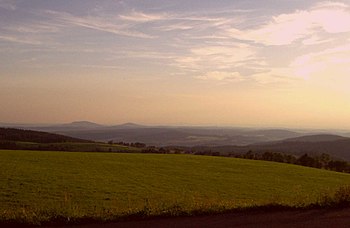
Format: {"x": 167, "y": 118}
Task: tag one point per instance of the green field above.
{"x": 76, "y": 147}
{"x": 37, "y": 186}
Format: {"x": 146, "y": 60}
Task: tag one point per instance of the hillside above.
{"x": 20, "y": 135}
{"x": 19, "y": 139}
{"x": 316, "y": 138}
{"x": 336, "y": 146}
{"x": 113, "y": 184}
{"x": 165, "y": 135}
{"x": 81, "y": 124}
{"x": 180, "y": 136}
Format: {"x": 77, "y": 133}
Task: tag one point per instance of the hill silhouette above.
{"x": 20, "y": 135}
{"x": 334, "y": 145}
{"x": 316, "y": 138}
{"x": 83, "y": 124}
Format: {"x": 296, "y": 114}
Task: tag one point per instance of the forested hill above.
{"x": 19, "y": 135}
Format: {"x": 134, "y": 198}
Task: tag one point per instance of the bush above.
{"x": 340, "y": 198}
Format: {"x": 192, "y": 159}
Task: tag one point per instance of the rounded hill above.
{"x": 152, "y": 184}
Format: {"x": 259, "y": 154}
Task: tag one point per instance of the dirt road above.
{"x": 336, "y": 218}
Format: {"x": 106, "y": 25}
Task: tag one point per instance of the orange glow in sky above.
{"x": 230, "y": 63}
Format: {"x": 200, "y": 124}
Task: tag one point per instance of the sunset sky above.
{"x": 185, "y": 62}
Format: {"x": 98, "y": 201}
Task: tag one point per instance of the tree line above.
{"x": 323, "y": 161}
{"x": 9, "y": 140}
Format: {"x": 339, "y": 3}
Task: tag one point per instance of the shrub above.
{"x": 340, "y": 198}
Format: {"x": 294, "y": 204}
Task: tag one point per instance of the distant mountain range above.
{"x": 334, "y": 145}
{"x": 200, "y": 139}
{"x": 73, "y": 126}
{"x": 168, "y": 136}
{"x": 317, "y": 138}
{"x": 221, "y": 139}
{"x": 81, "y": 124}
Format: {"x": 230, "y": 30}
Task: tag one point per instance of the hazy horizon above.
{"x": 184, "y": 125}
{"x": 186, "y": 63}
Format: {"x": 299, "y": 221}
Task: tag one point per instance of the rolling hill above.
{"x": 19, "y": 139}
{"x": 180, "y": 136}
{"x": 213, "y": 139}
{"x": 111, "y": 185}
{"x": 316, "y": 138}
{"x": 165, "y": 135}
{"x": 12, "y": 134}
{"x": 336, "y": 146}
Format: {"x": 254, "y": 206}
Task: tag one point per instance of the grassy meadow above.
{"x": 38, "y": 186}
{"x": 76, "y": 147}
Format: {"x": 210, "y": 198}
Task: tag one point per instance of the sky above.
{"x": 187, "y": 62}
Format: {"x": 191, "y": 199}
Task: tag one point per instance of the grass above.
{"x": 38, "y": 187}
{"x": 78, "y": 146}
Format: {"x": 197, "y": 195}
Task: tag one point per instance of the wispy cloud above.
{"x": 276, "y": 76}
{"x": 16, "y": 39}
{"x": 285, "y": 29}
{"x": 141, "y": 17}
{"x": 213, "y": 45}
{"x": 336, "y": 58}
{"x": 98, "y": 23}
{"x": 233, "y": 49}
{"x": 207, "y": 23}
{"x": 222, "y": 76}
{"x": 147, "y": 54}
{"x": 34, "y": 28}
{"x": 314, "y": 40}
{"x": 216, "y": 57}
{"x": 96, "y": 66}
{"x": 220, "y": 62}
{"x": 174, "y": 27}
{"x": 8, "y": 4}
